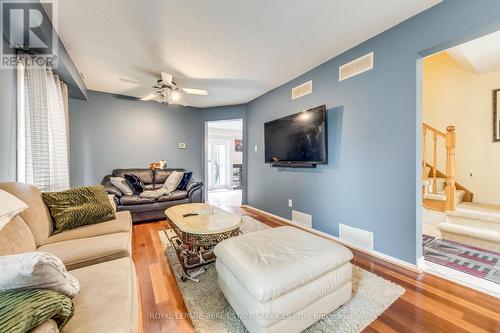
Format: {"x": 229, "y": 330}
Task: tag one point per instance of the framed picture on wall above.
{"x": 238, "y": 145}
{"x": 496, "y": 115}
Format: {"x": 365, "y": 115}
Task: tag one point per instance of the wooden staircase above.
{"x": 440, "y": 191}
{"x": 465, "y": 222}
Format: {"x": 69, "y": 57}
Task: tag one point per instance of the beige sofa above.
{"x": 98, "y": 255}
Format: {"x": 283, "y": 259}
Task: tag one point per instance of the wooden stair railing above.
{"x": 449, "y": 139}
{"x": 468, "y": 195}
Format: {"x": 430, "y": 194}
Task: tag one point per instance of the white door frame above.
{"x": 205, "y": 151}
{"x": 229, "y": 167}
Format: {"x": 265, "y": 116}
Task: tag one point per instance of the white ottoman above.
{"x": 283, "y": 279}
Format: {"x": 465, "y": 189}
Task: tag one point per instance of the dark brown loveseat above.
{"x": 144, "y": 209}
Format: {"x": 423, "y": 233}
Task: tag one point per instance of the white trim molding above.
{"x": 421, "y": 264}
{"x": 413, "y": 267}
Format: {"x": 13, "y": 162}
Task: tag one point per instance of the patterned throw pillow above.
{"x": 112, "y": 201}
{"x": 185, "y": 180}
{"x": 154, "y": 194}
{"x": 23, "y": 310}
{"x": 121, "y": 184}
{"x": 173, "y": 181}
{"x": 36, "y": 270}
{"x": 135, "y": 183}
{"x": 79, "y": 206}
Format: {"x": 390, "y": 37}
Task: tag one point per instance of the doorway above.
{"x": 224, "y": 162}
{"x": 460, "y": 213}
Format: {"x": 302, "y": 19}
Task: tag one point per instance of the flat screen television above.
{"x": 298, "y": 140}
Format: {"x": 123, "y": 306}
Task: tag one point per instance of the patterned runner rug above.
{"x": 472, "y": 260}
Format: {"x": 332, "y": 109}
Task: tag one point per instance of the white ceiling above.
{"x": 480, "y": 55}
{"x": 236, "y": 49}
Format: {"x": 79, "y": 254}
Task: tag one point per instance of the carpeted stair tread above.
{"x": 459, "y": 196}
{"x": 438, "y": 180}
{"x": 440, "y": 184}
{"x": 474, "y": 232}
{"x": 476, "y": 211}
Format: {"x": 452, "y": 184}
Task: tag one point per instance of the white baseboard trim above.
{"x": 485, "y": 286}
{"x": 421, "y": 264}
{"x": 416, "y": 268}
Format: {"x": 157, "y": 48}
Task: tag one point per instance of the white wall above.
{"x": 456, "y": 96}
{"x": 231, "y": 135}
{"x": 228, "y": 135}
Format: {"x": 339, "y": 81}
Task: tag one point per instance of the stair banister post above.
{"x": 424, "y": 152}
{"x": 450, "y": 143}
{"x": 434, "y": 162}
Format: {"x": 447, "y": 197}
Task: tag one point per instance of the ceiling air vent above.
{"x": 355, "y": 67}
{"x": 302, "y": 90}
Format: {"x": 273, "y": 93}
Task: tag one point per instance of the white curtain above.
{"x": 43, "y": 128}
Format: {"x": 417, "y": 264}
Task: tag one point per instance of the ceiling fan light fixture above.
{"x": 175, "y": 95}
{"x": 166, "y": 91}
{"x": 195, "y": 91}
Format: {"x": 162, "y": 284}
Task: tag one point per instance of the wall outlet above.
{"x": 183, "y": 145}
{"x": 255, "y": 148}
{"x": 290, "y": 203}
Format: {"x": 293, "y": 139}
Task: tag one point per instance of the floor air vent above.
{"x": 302, "y": 90}
{"x": 355, "y": 67}
{"x": 357, "y": 236}
{"x": 302, "y": 218}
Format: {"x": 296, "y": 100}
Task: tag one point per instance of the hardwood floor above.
{"x": 430, "y": 304}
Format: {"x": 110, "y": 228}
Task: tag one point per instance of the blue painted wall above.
{"x": 223, "y": 112}
{"x": 110, "y": 131}
{"x": 373, "y": 177}
{"x": 372, "y": 180}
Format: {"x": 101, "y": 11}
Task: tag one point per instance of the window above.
{"x": 43, "y": 125}
{"x": 217, "y": 158}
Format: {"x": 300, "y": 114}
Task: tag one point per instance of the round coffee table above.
{"x": 198, "y": 227}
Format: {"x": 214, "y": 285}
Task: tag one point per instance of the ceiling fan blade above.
{"x": 166, "y": 78}
{"x": 149, "y": 97}
{"x": 177, "y": 98}
{"x": 195, "y": 91}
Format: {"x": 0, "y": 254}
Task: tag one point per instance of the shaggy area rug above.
{"x": 210, "y": 312}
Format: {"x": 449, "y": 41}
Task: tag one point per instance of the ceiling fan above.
{"x": 166, "y": 91}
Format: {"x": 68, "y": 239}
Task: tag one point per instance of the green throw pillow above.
{"x": 23, "y": 310}
{"x": 79, "y": 206}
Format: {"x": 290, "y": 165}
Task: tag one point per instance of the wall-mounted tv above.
{"x": 298, "y": 140}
